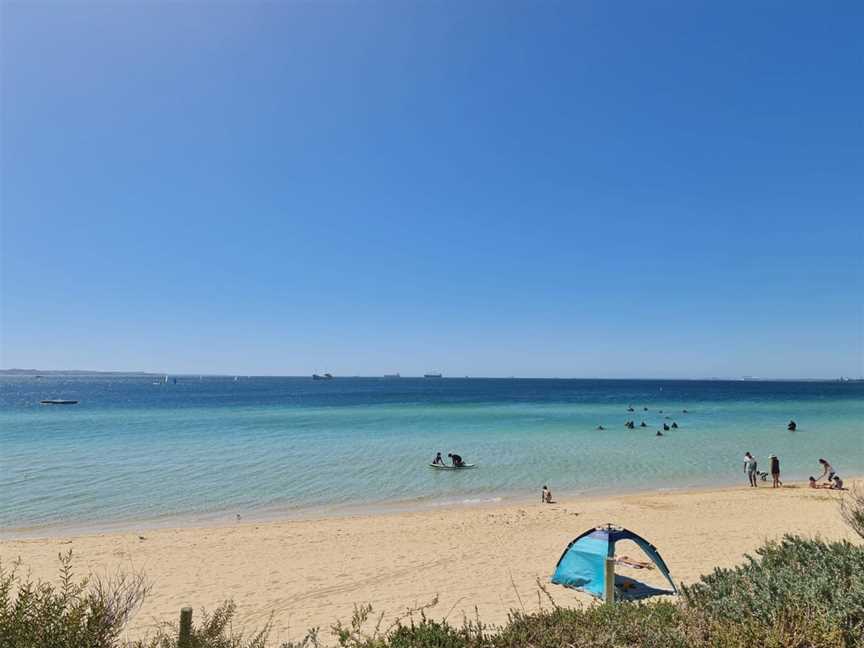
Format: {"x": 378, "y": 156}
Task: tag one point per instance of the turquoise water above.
{"x": 207, "y": 449}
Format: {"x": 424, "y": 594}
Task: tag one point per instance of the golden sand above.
{"x": 311, "y": 572}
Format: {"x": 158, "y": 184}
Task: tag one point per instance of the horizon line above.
{"x": 187, "y": 374}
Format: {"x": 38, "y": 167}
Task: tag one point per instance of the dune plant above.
{"x": 797, "y": 592}
{"x": 90, "y": 612}
{"x": 852, "y": 509}
{"x": 214, "y": 631}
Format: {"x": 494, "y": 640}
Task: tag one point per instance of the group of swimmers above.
{"x": 631, "y": 425}
{"x": 454, "y": 458}
{"x": 833, "y": 480}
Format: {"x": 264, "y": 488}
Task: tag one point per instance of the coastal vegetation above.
{"x": 793, "y": 593}
{"x": 89, "y": 612}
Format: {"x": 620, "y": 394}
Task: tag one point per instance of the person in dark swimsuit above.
{"x": 775, "y": 471}
{"x": 438, "y": 460}
{"x": 456, "y": 459}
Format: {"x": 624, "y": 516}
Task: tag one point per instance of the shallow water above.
{"x": 206, "y": 449}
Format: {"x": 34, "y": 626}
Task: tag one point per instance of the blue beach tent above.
{"x": 582, "y": 565}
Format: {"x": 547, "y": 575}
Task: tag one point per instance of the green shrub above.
{"x": 797, "y": 593}
{"x": 86, "y": 613}
{"x": 649, "y": 625}
{"x": 214, "y": 631}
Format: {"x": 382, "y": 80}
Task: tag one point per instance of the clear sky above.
{"x": 609, "y": 189}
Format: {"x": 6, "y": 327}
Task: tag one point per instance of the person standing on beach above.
{"x": 826, "y": 470}
{"x": 775, "y": 471}
{"x": 750, "y": 468}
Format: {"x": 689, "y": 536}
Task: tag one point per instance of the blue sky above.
{"x": 670, "y": 189}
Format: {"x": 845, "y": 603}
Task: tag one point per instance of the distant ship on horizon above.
{"x": 324, "y": 376}
{"x": 396, "y": 375}
{"x": 433, "y": 374}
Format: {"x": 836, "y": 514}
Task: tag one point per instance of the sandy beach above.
{"x": 311, "y": 572}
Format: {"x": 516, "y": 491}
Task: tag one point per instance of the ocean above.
{"x": 133, "y": 453}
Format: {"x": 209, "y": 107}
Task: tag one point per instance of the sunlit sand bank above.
{"x": 311, "y": 572}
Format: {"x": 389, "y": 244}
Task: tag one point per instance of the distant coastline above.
{"x": 90, "y": 372}
{"x": 74, "y": 372}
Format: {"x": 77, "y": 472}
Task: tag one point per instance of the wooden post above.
{"x": 185, "y": 638}
{"x": 609, "y": 593}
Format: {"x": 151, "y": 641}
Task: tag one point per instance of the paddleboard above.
{"x": 446, "y": 467}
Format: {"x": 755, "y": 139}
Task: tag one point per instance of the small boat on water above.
{"x": 450, "y": 467}
{"x": 58, "y": 401}
{"x": 396, "y": 375}
{"x": 324, "y": 376}
{"x": 433, "y": 374}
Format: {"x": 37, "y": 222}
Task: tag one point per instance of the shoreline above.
{"x": 312, "y": 572}
{"x": 227, "y": 518}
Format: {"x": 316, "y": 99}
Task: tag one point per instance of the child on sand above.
{"x": 813, "y": 483}
{"x": 546, "y": 495}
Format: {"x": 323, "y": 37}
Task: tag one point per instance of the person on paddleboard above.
{"x": 456, "y": 459}
{"x": 438, "y": 460}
